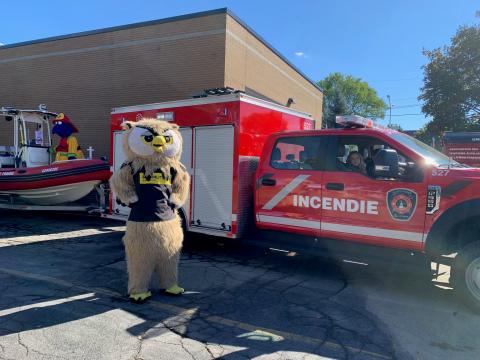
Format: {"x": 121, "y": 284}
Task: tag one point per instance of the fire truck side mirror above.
{"x": 385, "y": 163}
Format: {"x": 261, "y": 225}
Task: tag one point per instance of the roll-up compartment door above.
{"x": 213, "y": 169}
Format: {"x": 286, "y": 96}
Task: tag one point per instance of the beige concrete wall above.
{"x": 253, "y": 67}
{"x": 86, "y": 76}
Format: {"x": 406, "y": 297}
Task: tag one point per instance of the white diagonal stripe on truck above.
{"x": 284, "y": 192}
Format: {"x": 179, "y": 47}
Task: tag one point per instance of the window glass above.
{"x": 301, "y": 152}
{"x": 430, "y": 154}
{"x": 358, "y": 154}
{"x": 36, "y": 135}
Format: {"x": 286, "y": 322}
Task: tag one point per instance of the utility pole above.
{"x": 390, "y": 108}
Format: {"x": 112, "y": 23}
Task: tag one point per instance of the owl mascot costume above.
{"x": 154, "y": 183}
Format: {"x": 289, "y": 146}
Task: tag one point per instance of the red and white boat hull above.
{"x": 58, "y": 183}
{"x": 55, "y": 195}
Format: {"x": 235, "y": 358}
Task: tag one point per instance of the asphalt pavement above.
{"x": 63, "y": 296}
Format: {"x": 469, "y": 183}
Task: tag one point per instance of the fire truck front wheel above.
{"x": 466, "y": 275}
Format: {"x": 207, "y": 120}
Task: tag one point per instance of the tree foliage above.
{"x": 346, "y": 95}
{"x": 451, "y": 91}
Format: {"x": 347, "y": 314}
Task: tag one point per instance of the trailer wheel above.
{"x": 466, "y": 275}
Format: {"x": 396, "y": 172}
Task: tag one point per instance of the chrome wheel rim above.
{"x": 472, "y": 278}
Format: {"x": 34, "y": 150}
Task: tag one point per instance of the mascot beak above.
{"x": 158, "y": 143}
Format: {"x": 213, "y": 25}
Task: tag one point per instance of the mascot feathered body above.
{"x": 154, "y": 183}
{"x": 67, "y": 148}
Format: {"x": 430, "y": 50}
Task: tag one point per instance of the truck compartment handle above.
{"x": 334, "y": 186}
{"x": 269, "y": 182}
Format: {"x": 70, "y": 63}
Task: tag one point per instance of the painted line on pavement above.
{"x": 177, "y": 310}
{"x": 29, "y": 239}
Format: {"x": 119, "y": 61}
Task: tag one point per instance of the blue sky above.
{"x": 378, "y": 41}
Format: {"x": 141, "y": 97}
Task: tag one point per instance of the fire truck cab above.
{"x": 372, "y": 185}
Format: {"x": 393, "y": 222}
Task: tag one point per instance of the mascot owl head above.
{"x": 152, "y": 140}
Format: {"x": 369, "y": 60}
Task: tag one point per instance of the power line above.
{"x": 406, "y": 98}
{"x": 406, "y": 106}
{"x": 408, "y": 114}
{"x": 395, "y": 80}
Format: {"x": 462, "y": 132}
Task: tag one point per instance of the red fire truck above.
{"x": 250, "y": 158}
{"x": 223, "y": 137}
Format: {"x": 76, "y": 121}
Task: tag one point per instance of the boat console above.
{"x": 34, "y": 155}
{"x": 7, "y": 157}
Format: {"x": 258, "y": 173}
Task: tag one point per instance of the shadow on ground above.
{"x": 256, "y": 300}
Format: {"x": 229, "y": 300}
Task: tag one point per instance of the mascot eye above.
{"x": 168, "y": 139}
{"x": 148, "y": 138}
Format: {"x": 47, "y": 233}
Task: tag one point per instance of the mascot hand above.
{"x": 119, "y": 202}
{"x": 132, "y": 200}
{"x": 175, "y": 201}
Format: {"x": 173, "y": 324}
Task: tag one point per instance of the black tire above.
{"x": 465, "y": 274}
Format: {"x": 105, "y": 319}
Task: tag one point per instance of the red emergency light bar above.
{"x": 357, "y": 121}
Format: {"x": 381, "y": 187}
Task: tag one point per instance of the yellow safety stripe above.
{"x": 156, "y": 178}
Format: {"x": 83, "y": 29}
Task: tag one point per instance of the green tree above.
{"x": 346, "y": 95}
{"x": 451, "y": 91}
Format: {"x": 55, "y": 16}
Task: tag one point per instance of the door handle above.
{"x": 334, "y": 186}
{"x": 269, "y": 182}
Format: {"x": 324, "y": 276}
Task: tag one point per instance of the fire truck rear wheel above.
{"x": 466, "y": 275}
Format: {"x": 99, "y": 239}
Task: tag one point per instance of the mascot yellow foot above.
{"x": 140, "y": 297}
{"x": 174, "y": 290}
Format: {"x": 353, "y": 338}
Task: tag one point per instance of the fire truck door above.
{"x": 213, "y": 177}
{"x": 360, "y": 207}
{"x": 289, "y": 187}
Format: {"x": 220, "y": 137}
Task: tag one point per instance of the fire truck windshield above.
{"x": 431, "y": 155}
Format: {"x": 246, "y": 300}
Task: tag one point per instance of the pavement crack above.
{"x": 114, "y": 261}
{"x": 19, "y": 340}
{"x": 207, "y": 347}
{"x": 139, "y": 350}
{"x": 185, "y": 349}
{"x": 342, "y": 288}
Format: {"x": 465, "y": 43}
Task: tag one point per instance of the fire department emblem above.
{"x": 401, "y": 204}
